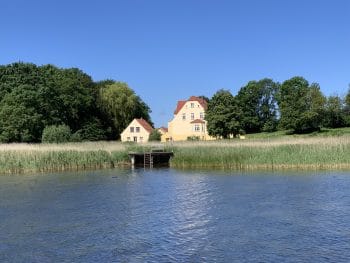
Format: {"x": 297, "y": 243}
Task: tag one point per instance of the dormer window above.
{"x": 192, "y": 105}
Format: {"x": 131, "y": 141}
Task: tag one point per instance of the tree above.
{"x": 334, "y": 113}
{"x": 259, "y": 106}
{"x": 122, "y": 105}
{"x": 155, "y": 135}
{"x": 223, "y": 115}
{"x": 20, "y": 118}
{"x": 204, "y": 98}
{"x": 347, "y": 108}
{"x": 56, "y": 134}
{"x": 301, "y": 105}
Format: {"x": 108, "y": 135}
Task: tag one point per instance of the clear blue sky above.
{"x": 169, "y": 50}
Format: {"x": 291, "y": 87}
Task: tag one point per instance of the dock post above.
{"x": 133, "y": 161}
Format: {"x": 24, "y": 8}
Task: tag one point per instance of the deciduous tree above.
{"x": 301, "y": 105}
{"x": 223, "y": 115}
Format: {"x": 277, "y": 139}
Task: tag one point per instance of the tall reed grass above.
{"x": 24, "y": 158}
{"x": 277, "y": 153}
{"x": 303, "y": 153}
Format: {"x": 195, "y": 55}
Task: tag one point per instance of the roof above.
{"x": 163, "y": 129}
{"x": 179, "y": 106}
{"x": 181, "y": 103}
{"x": 198, "y": 121}
{"x": 145, "y": 124}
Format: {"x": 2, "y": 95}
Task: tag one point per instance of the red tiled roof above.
{"x": 181, "y": 103}
{"x": 198, "y": 121}
{"x": 164, "y": 129}
{"x": 145, "y": 124}
{"x": 179, "y": 106}
{"x": 201, "y": 101}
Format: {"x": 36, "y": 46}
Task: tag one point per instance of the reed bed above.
{"x": 48, "y": 161}
{"x": 29, "y": 158}
{"x": 311, "y": 153}
{"x": 292, "y": 153}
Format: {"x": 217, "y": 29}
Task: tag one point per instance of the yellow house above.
{"x": 188, "y": 121}
{"x": 163, "y": 130}
{"x": 137, "y": 131}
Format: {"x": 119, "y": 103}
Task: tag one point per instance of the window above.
{"x": 135, "y": 139}
{"x": 141, "y": 139}
{"x": 137, "y": 129}
{"x": 196, "y": 128}
{"x": 201, "y": 115}
{"x": 131, "y": 129}
{"x": 192, "y": 116}
{"x": 192, "y": 105}
{"x": 183, "y": 116}
{"x": 128, "y": 139}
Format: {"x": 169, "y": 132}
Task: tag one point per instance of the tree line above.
{"x": 266, "y": 106}
{"x": 47, "y": 100}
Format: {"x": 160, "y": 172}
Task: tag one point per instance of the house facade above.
{"x": 137, "y": 131}
{"x": 188, "y": 122}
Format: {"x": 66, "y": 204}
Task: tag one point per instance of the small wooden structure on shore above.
{"x": 150, "y": 159}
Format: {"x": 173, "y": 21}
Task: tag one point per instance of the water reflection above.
{"x": 174, "y": 216}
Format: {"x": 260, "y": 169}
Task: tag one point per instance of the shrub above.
{"x": 91, "y": 131}
{"x": 56, "y": 134}
{"x": 155, "y": 135}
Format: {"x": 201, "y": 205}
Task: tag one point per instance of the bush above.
{"x": 56, "y": 134}
{"x": 91, "y": 131}
{"x": 155, "y": 135}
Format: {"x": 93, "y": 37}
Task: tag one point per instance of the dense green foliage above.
{"x": 34, "y": 97}
{"x": 301, "y": 105}
{"x": 223, "y": 115}
{"x": 56, "y": 134}
{"x": 265, "y": 106}
{"x": 155, "y": 135}
{"x": 335, "y": 115}
{"x": 259, "y": 106}
{"x": 121, "y": 105}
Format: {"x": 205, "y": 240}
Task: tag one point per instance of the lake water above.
{"x": 167, "y": 215}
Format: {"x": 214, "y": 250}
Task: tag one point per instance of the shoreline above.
{"x": 330, "y": 153}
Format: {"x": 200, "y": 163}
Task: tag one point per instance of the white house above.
{"x": 137, "y": 131}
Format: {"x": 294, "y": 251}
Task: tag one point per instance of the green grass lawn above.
{"x": 323, "y": 132}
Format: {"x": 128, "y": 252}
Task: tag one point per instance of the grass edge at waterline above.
{"x": 306, "y": 154}
{"x": 14, "y": 162}
{"x": 314, "y": 153}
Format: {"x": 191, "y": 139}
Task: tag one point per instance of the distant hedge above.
{"x": 56, "y": 134}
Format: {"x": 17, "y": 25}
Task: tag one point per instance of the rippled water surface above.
{"x": 175, "y": 216}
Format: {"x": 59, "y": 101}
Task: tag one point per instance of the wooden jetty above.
{"x": 150, "y": 159}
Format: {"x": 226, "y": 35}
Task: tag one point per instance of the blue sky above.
{"x": 169, "y": 50}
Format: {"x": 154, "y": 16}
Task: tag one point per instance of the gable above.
{"x": 182, "y": 103}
